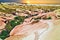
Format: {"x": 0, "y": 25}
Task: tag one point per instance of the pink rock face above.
{"x": 52, "y": 15}
{"x": 2, "y": 24}
{"x": 28, "y": 28}
{"x": 9, "y": 18}
{"x": 1, "y": 19}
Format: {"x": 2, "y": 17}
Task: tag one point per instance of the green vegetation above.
{"x": 10, "y": 25}
{"x": 4, "y": 34}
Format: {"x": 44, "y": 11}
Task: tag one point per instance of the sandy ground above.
{"x": 52, "y": 33}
